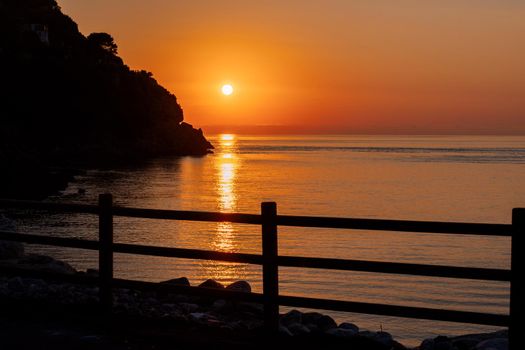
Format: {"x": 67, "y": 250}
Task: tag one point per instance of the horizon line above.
{"x": 289, "y": 129}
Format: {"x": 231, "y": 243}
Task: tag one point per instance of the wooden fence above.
{"x": 271, "y": 260}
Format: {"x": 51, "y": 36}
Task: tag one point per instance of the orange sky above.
{"x": 338, "y": 65}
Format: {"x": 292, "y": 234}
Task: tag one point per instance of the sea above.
{"x": 438, "y": 178}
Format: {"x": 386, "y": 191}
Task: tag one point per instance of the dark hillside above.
{"x": 67, "y": 99}
{"x": 63, "y": 94}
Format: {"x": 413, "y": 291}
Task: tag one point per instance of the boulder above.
{"x": 312, "y": 327}
{"x": 465, "y": 343}
{"x": 341, "y": 332}
{"x": 254, "y": 308}
{"x": 293, "y": 316}
{"x": 351, "y": 326}
{"x": 240, "y": 286}
{"x": 325, "y": 323}
{"x": 181, "y": 281}
{"x": 210, "y": 283}
{"x": 199, "y": 317}
{"x": 283, "y": 331}
{"x": 438, "y": 343}
{"x": 469, "y": 341}
{"x": 311, "y": 317}
{"x": 493, "y": 344}
{"x": 222, "y": 306}
{"x": 92, "y": 272}
{"x": 189, "y": 307}
{"x": 298, "y": 329}
{"x": 384, "y": 338}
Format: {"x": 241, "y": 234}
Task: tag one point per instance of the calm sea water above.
{"x": 470, "y": 179}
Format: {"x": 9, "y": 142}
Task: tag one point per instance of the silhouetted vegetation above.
{"x": 104, "y": 41}
{"x": 74, "y": 93}
{"x": 67, "y": 97}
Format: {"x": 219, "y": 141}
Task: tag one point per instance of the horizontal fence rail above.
{"x": 464, "y": 228}
{"x": 271, "y": 260}
{"x": 288, "y": 261}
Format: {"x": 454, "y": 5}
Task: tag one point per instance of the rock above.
{"x": 341, "y": 332}
{"x": 199, "y": 317}
{"x": 493, "y": 344}
{"x": 283, "y": 331}
{"x": 254, "y": 308}
{"x": 92, "y": 272}
{"x": 313, "y": 328}
{"x": 240, "y": 286}
{"x": 210, "y": 283}
{"x": 384, "y": 338}
{"x": 469, "y": 341}
{"x": 465, "y": 343}
{"x": 427, "y": 344}
{"x": 438, "y": 343}
{"x": 181, "y": 281}
{"x": 293, "y": 316}
{"x": 311, "y": 317}
{"x": 188, "y": 307}
{"x": 221, "y": 305}
{"x": 298, "y": 329}
{"x": 46, "y": 263}
{"x": 398, "y": 346}
{"x": 351, "y": 326}
{"x": 325, "y": 323}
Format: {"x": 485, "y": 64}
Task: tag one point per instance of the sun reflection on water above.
{"x": 224, "y": 239}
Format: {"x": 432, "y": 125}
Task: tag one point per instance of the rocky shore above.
{"x": 229, "y": 317}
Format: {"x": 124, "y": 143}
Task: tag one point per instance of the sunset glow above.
{"x": 262, "y": 158}
{"x": 363, "y": 67}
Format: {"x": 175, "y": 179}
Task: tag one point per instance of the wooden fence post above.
{"x": 270, "y": 267}
{"x": 105, "y": 253}
{"x": 517, "y": 283}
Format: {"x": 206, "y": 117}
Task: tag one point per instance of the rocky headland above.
{"x": 68, "y": 100}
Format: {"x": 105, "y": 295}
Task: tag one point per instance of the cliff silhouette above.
{"x": 67, "y": 96}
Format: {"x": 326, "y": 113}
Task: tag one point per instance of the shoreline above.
{"x": 241, "y": 319}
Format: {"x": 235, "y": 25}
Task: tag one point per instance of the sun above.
{"x": 227, "y": 137}
{"x": 227, "y": 89}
